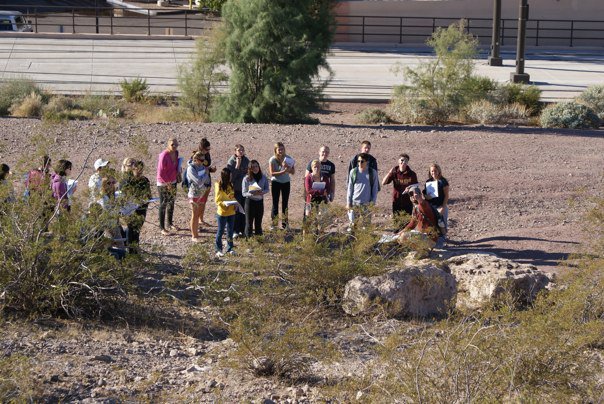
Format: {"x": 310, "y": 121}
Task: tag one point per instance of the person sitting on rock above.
{"x": 422, "y": 226}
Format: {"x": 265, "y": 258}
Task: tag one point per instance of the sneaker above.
{"x": 219, "y": 254}
{"x": 231, "y": 252}
{"x": 174, "y": 228}
{"x": 237, "y": 235}
{"x": 165, "y": 232}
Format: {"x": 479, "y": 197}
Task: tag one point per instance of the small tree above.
{"x": 438, "y": 87}
{"x": 274, "y": 49}
{"x": 199, "y": 84}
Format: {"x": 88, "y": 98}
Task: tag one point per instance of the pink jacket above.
{"x": 167, "y": 170}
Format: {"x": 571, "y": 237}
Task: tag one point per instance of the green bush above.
{"x": 569, "y": 115}
{"x": 511, "y": 93}
{"x": 593, "y": 97}
{"x": 476, "y": 88}
{"x": 30, "y": 107}
{"x": 14, "y": 91}
{"x": 57, "y": 264}
{"x": 274, "y": 65}
{"x": 212, "y": 5}
{"x": 99, "y": 105}
{"x": 199, "y": 84}
{"x": 373, "y": 116}
{"x": 438, "y": 89}
{"x": 135, "y": 90}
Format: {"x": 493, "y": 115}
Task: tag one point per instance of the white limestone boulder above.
{"x": 413, "y": 291}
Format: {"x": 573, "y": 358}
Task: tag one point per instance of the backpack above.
{"x": 440, "y": 226}
{"x": 353, "y": 177}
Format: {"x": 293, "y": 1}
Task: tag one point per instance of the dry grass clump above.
{"x": 30, "y": 107}
{"x": 486, "y": 112}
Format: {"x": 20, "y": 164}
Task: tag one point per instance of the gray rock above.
{"x": 416, "y": 291}
{"x": 484, "y": 278}
{"x": 102, "y": 358}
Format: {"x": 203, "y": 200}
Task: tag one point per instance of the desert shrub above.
{"x": 200, "y": 83}
{"x": 374, "y": 116}
{"x": 593, "y": 97}
{"x": 135, "y": 90}
{"x": 14, "y": 91}
{"x": 486, "y": 112}
{"x": 512, "y": 93}
{"x": 99, "y": 105}
{"x": 17, "y": 382}
{"x": 435, "y": 89}
{"x": 569, "y": 115}
{"x": 476, "y": 88}
{"x": 29, "y": 107}
{"x": 57, "y": 264}
{"x": 212, "y": 5}
{"x": 64, "y": 108}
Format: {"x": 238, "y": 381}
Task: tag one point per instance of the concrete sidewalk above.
{"x": 361, "y": 73}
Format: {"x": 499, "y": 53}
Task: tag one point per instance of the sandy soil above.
{"x": 515, "y": 192}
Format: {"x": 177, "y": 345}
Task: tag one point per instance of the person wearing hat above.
{"x": 94, "y": 183}
{"x": 423, "y": 224}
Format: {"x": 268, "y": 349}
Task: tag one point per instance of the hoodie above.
{"x": 59, "y": 189}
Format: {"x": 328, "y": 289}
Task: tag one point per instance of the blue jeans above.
{"x": 229, "y": 223}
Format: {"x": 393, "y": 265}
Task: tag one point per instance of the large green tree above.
{"x": 274, "y": 50}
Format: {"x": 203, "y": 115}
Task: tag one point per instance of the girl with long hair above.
{"x": 280, "y": 166}
{"x": 254, "y": 187}
{"x": 226, "y": 205}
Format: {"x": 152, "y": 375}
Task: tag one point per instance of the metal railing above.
{"x": 349, "y": 28}
{"x": 115, "y": 21}
{"x": 366, "y": 29}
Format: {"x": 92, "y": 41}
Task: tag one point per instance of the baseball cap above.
{"x": 100, "y": 163}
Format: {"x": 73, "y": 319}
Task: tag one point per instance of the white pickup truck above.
{"x": 13, "y": 21}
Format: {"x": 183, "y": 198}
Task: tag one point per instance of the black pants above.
{"x": 167, "y": 195}
{"x": 239, "y": 217}
{"x": 402, "y": 204}
{"x": 135, "y": 224}
{"x": 254, "y": 211}
{"x": 277, "y": 189}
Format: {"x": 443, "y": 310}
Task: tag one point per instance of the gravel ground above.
{"x": 515, "y": 192}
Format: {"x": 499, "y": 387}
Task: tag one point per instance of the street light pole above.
{"x": 520, "y": 76}
{"x": 494, "y": 58}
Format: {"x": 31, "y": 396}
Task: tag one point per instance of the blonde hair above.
{"x": 276, "y": 147}
{"x": 127, "y": 164}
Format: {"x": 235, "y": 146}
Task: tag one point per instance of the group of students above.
{"x": 240, "y": 188}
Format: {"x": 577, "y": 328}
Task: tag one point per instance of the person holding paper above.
{"x": 167, "y": 177}
{"x": 401, "y": 176}
{"x": 439, "y": 196}
{"x": 280, "y": 166}
{"x": 136, "y": 189}
{"x": 328, "y": 169}
{"x": 254, "y": 186}
{"x": 59, "y": 184}
{"x": 317, "y": 187}
{"x": 94, "y": 182}
{"x": 197, "y": 176}
{"x": 204, "y": 148}
{"x": 238, "y": 164}
{"x": 226, "y": 206}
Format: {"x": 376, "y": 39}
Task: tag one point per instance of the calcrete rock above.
{"x": 484, "y": 278}
{"x": 414, "y": 291}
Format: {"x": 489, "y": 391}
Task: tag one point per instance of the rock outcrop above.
{"x": 485, "y": 278}
{"x": 414, "y": 291}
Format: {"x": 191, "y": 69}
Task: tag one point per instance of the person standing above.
{"x": 204, "y": 148}
{"x": 94, "y": 183}
{"x": 254, "y": 187}
{"x": 136, "y": 189}
{"x": 317, "y": 188}
{"x": 238, "y": 164}
{"x": 59, "y": 184}
{"x": 197, "y": 177}
{"x": 362, "y": 190}
{"x": 371, "y": 161}
{"x": 328, "y": 169}
{"x": 38, "y": 180}
{"x": 167, "y": 178}
{"x": 280, "y": 167}
{"x": 224, "y": 197}
{"x": 401, "y": 176}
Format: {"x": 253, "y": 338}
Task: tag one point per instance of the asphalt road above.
{"x": 77, "y": 65}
